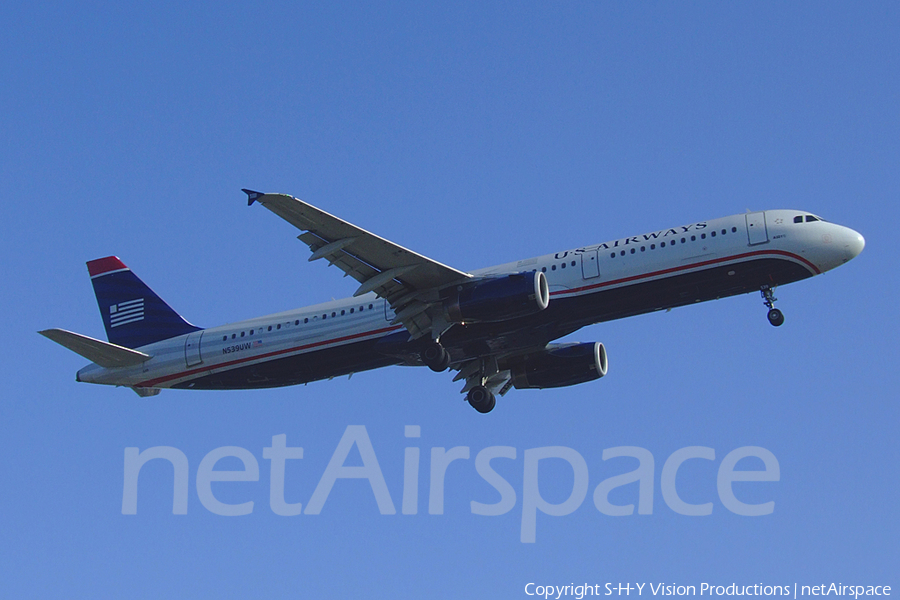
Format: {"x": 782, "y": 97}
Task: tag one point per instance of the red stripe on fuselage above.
{"x": 158, "y": 380}
{"x": 714, "y": 261}
{"x": 152, "y": 382}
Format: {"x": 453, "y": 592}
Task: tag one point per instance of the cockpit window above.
{"x": 810, "y": 218}
{"x": 798, "y": 219}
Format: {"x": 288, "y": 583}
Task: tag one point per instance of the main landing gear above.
{"x": 481, "y": 399}
{"x": 435, "y": 357}
{"x": 775, "y": 316}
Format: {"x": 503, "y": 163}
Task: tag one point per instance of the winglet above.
{"x": 252, "y": 196}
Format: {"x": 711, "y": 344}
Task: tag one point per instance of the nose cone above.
{"x": 839, "y": 245}
{"x": 848, "y": 244}
{"x": 855, "y": 244}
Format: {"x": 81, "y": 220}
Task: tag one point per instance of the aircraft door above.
{"x": 756, "y": 228}
{"x": 192, "y": 349}
{"x": 590, "y": 264}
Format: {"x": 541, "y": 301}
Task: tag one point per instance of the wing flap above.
{"x": 399, "y": 275}
{"x": 346, "y": 262}
{"x": 372, "y": 251}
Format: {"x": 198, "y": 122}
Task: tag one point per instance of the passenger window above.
{"x": 343, "y": 313}
{"x": 573, "y": 263}
{"x": 278, "y": 326}
{"x": 713, "y": 234}
{"x": 623, "y": 253}
{"x": 351, "y": 310}
{"x": 734, "y": 230}
{"x": 270, "y": 328}
{"x": 233, "y": 335}
{"x": 632, "y": 250}
{"x": 297, "y": 322}
{"x": 724, "y": 231}
{"x": 653, "y": 246}
{"x": 224, "y": 338}
{"x": 682, "y": 240}
{"x": 613, "y": 255}
{"x": 702, "y": 236}
{"x": 643, "y": 248}
{"x": 251, "y": 332}
{"x": 543, "y": 269}
{"x": 370, "y": 307}
{"x": 662, "y": 245}
{"x": 242, "y": 334}
{"x": 306, "y": 320}
{"x": 553, "y": 268}
{"x": 562, "y": 266}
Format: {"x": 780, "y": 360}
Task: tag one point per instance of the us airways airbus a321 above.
{"x": 496, "y": 327}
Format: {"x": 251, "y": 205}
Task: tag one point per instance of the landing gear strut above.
{"x": 481, "y": 399}
{"x": 775, "y": 316}
{"x": 435, "y": 357}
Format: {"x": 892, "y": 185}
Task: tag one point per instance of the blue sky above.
{"x": 475, "y": 135}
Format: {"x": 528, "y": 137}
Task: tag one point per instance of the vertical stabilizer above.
{"x": 133, "y": 314}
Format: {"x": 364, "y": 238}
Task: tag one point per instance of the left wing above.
{"x": 409, "y": 281}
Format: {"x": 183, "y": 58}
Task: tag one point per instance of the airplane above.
{"x": 496, "y": 326}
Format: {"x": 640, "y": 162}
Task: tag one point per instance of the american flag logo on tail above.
{"x": 126, "y": 312}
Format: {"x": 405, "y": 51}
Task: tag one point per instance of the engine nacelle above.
{"x": 499, "y": 298}
{"x": 561, "y": 365}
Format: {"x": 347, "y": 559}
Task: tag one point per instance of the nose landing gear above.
{"x": 775, "y": 316}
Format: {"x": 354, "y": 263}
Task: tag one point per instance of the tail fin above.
{"x": 133, "y": 314}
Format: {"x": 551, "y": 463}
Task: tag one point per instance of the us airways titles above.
{"x": 638, "y": 239}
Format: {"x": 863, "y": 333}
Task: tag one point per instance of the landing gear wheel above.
{"x": 442, "y": 366}
{"x": 776, "y": 317}
{"x": 481, "y": 399}
{"x": 435, "y": 357}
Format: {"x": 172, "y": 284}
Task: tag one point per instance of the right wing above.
{"x": 409, "y": 281}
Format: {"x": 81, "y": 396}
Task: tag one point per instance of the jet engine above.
{"x": 561, "y": 365}
{"x": 498, "y": 298}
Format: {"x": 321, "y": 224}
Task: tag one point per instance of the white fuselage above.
{"x": 814, "y": 246}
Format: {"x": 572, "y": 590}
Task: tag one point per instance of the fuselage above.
{"x": 590, "y": 284}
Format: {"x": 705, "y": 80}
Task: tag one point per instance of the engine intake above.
{"x": 561, "y": 365}
{"x": 499, "y": 298}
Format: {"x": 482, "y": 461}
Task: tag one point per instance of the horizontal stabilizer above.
{"x": 99, "y": 352}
